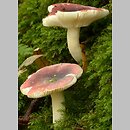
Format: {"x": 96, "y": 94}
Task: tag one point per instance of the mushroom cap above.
{"x": 69, "y": 15}
{"x": 51, "y": 79}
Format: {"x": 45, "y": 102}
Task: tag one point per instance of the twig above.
{"x": 25, "y": 119}
{"x": 84, "y": 57}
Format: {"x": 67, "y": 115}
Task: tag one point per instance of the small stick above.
{"x": 25, "y": 119}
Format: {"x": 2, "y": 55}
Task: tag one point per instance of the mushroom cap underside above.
{"x": 51, "y": 79}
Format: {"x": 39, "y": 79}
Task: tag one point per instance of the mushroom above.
{"x": 52, "y": 80}
{"x": 72, "y": 17}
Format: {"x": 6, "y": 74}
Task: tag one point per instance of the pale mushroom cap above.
{"x": 51, "y": 79}
{"x": 73, "y": 15}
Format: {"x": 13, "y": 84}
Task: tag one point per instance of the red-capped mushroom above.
{"x": 72, "y": 17}
{"x": 52, "y": 80}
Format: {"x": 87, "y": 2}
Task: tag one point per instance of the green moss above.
{"x": 100, "y": 116}
{"x": 89, "y": 101}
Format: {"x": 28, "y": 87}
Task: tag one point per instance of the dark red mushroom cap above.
{"x": 51, "y": 79}
{"x": 68, "y": 7}
{"x": 73, "y": 15}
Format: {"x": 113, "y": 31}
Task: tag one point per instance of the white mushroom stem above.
{"x": 57, "y": 105}
{"x": 73, "y": 43}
